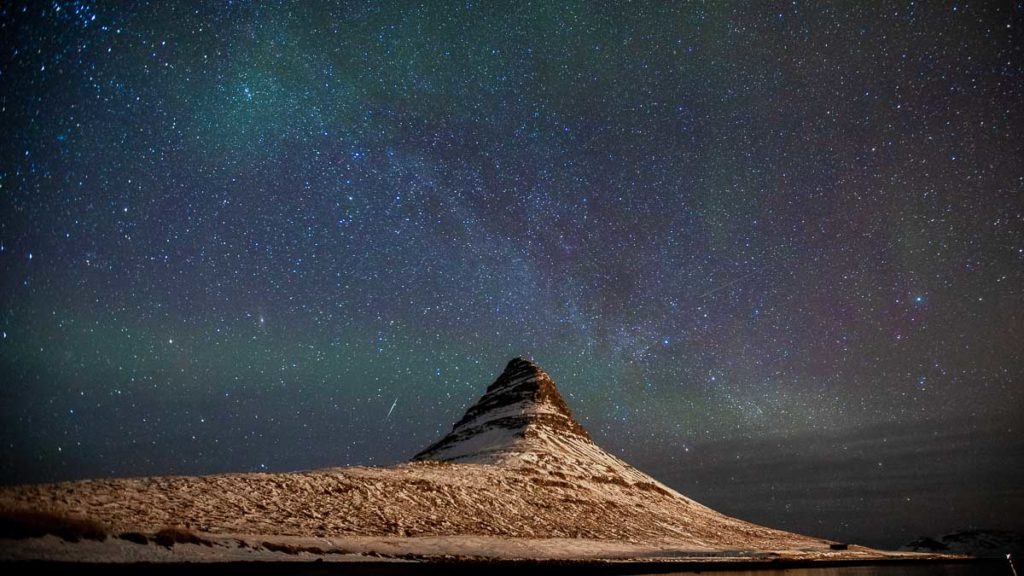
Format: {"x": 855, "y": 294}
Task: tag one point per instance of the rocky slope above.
{"x": 516, "y": 466}
{"x": 522, "y": 423}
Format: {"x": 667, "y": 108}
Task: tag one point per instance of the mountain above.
{"x": 522, "y": 422}
{"x": 517, "y": 415}
{"x": 517, "y": 477}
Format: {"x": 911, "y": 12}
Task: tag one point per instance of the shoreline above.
{"x": 266, "y": 554}
{"x": 395, "y": 566}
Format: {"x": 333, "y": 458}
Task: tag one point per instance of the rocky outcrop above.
{"x": 522, "y": 403}
{"x": 981, "y": 543}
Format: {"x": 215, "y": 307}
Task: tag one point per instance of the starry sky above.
{"x": 771, "y": 252}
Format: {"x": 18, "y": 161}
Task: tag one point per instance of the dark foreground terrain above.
{"x": 963, "y": 567}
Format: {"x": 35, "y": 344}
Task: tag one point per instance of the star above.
{"x": 753, "y": 231}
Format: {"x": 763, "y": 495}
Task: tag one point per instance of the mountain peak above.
{"x": 523, "y": 404}
{"x": 526, "y": 386}
{"x": 522, "y": 422}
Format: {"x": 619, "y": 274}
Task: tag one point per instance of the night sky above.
{"x": 772, "y": 253}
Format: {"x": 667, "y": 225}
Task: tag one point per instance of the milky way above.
{"x": 771, "y": 252}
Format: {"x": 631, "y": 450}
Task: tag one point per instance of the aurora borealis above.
{"x": 772, "y": 253}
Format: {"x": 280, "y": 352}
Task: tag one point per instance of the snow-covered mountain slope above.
{"x": 517, "y": 465}
{"x": 523, "y": 422}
